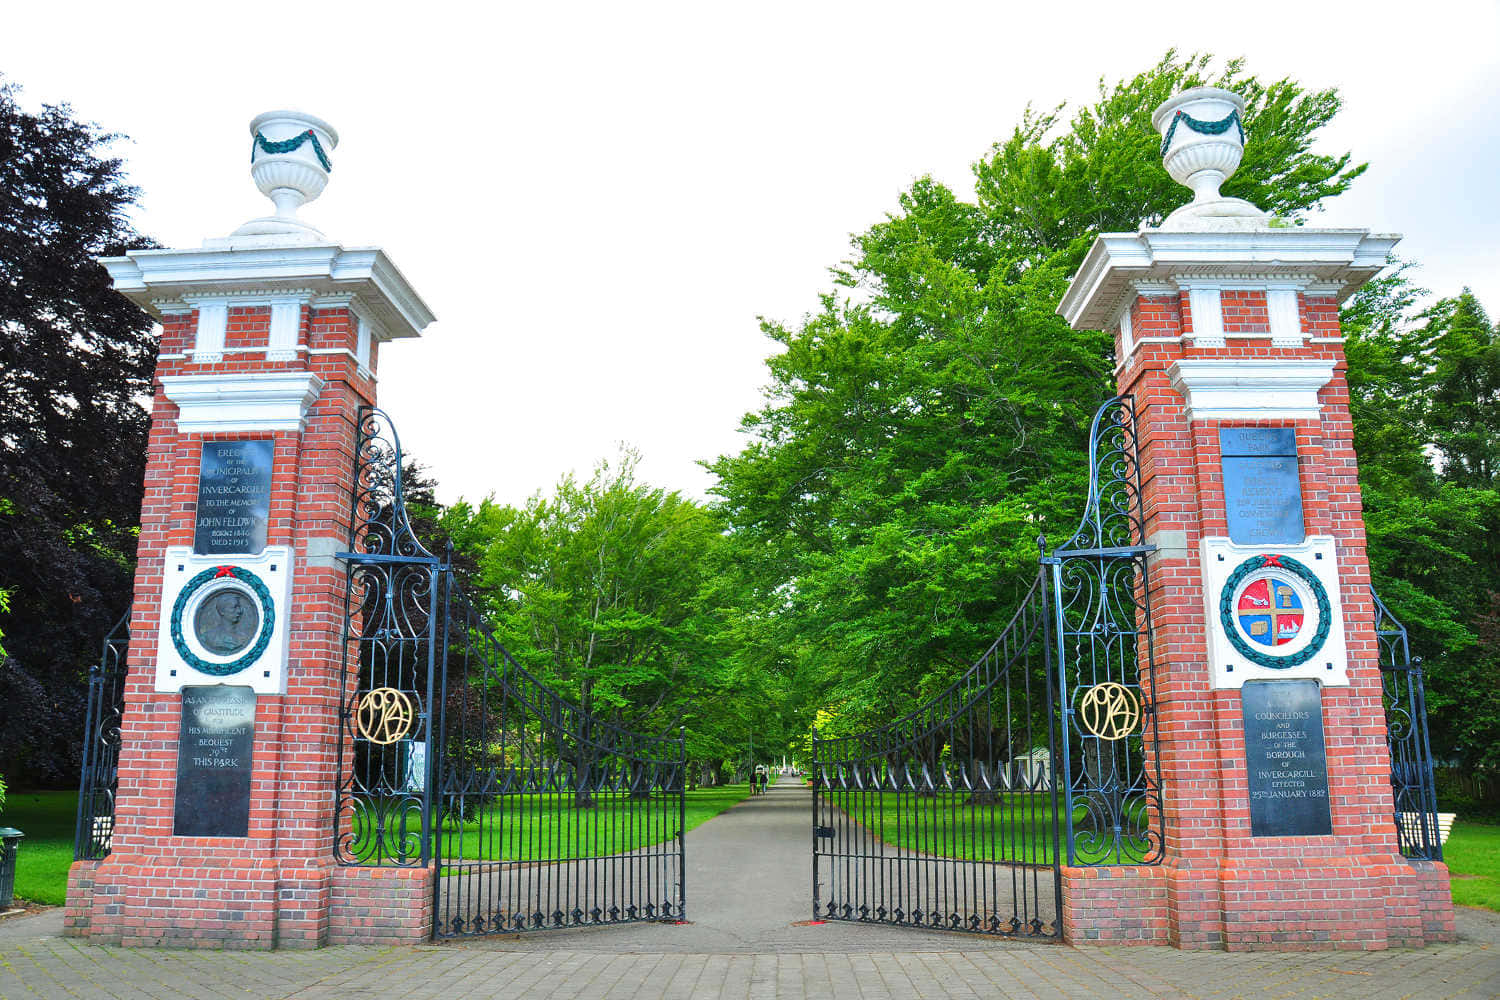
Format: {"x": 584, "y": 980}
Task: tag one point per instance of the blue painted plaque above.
{"x": 1262, "y": 494}
{"x": 1286, "y": 761}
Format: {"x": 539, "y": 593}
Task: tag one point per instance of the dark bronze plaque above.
{"x": 1262, "y": 495}
{"x": 234, "y": 497}
{"x": 213, "y": 761}
{"x": 1285, "y": 759}
{"x": 227, "y": 621}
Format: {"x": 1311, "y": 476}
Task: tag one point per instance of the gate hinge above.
{"x": 823, "y": 831}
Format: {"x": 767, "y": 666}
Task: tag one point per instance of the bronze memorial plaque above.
{"x": 214, "y": 747}
{"x": 227, "y": 621}
{"x": 1262, "y": 494}
{"x": 234, "y": 498}
{"x": 1285, "y": 759}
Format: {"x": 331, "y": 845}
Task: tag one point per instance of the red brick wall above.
{"x": 382, "y": 906}
{"x": 1219, "y": 887}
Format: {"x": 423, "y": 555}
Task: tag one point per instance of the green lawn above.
{"x": 42, "y": 865}
{"x": 549, "y": 827}
{"x": 551, "y": 831}
{"x": 1473, "y": 850}
{"x": 1016, "y": 827}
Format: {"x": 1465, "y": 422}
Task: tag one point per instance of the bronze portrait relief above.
{"x": 226, "y": 621}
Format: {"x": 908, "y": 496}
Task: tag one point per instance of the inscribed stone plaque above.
{"x": 214, "y": 747}
{"x": 234, "y": 497}
{"x": 1262, "y": 495}
{"x": 1285, "y": 759}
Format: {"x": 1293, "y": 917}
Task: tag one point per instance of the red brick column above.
{"x": 1219, "y": 886}
{"x": 277, "y": 886}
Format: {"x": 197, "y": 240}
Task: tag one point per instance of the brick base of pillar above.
{"x": 1320, "y": 903}
{"x": 245, "y": 904}
{"x": 384, "y": 906}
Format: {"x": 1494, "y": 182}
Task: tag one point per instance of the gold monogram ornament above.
{"x": 1110, "y": 711}
{"x": 384, "y": 716}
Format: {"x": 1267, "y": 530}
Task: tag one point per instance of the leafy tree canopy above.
{"x": 929, "y": 419}
{"x": 75, "y": 360}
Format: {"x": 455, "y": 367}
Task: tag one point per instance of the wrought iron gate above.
{"x": 959, "y": 815}
{"x": 1412, "y": 786}
{"x": 948, "y": 818}
{"x": 537, "y": 812}
{"x": 100, "y": 779}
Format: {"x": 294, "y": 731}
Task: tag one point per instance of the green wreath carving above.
{"x": 287, "y": 145}
{"x": 1301, "y": 572}
{"x": 1231, "y": 120}
{"x": 267, "y": 621}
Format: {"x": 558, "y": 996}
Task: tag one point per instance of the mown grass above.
{"x": 1017, "y": 826}
{"x": 1473, "y": 856}
{"x": 550, "y": 827}
{"x": 538, "y": 828}
{"x": 42, "y": 865}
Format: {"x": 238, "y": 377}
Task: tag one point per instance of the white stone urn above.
{"x": 1203, "y": 141}
{"x": 289, "y": 160}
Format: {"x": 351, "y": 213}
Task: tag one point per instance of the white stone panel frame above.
{"x": 1228, "y": 668}
{"x": 268, "y": 674}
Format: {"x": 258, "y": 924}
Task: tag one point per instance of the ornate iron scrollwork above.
{"x": 1413, "y": 788}
{"x": 1105, "y": 650}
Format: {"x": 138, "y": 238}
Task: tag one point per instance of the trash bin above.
{"x": 10, "y": 846}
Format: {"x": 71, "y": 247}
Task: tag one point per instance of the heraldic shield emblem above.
{"x": 1270, "y": 611}
{"x": 1275, "y": 611}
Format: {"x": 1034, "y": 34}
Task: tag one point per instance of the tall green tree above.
{"x": 1431, "y": 525}
{"x": 605, "y": 591}
{"x": 929, "y": 419}
{"x": 75, "y": 360}
{"x": 1461, "y": 350}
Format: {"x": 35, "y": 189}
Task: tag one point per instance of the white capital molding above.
{"x": 1339, "y": 260}
{"x": 263, "y": 401}
{"x": 247, "y": 268}
{"x": 1251, "y": 388}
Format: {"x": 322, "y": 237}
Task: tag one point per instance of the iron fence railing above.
{"x": 538, "y": 811}
{"x": 948, "y": 816}
{"x": 1413, "y": 788}
{"x": 99, "y": 781}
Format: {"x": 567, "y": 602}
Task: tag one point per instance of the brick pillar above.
{"x": 1224, "y": 322}
{"x": 269, "y": 335}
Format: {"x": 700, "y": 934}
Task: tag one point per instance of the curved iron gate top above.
{"x": 537, "y": 812}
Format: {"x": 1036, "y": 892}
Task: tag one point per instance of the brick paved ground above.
{"x": 741, "y": 944}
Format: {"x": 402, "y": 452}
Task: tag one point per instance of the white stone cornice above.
{"x": 1121, "y": 263}
{"x": 249, "y": 270}
{"x": 260, "y": 401}
{"x": 1251, "y": 388}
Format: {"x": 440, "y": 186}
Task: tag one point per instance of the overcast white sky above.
{"x": 599, "y": 200}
